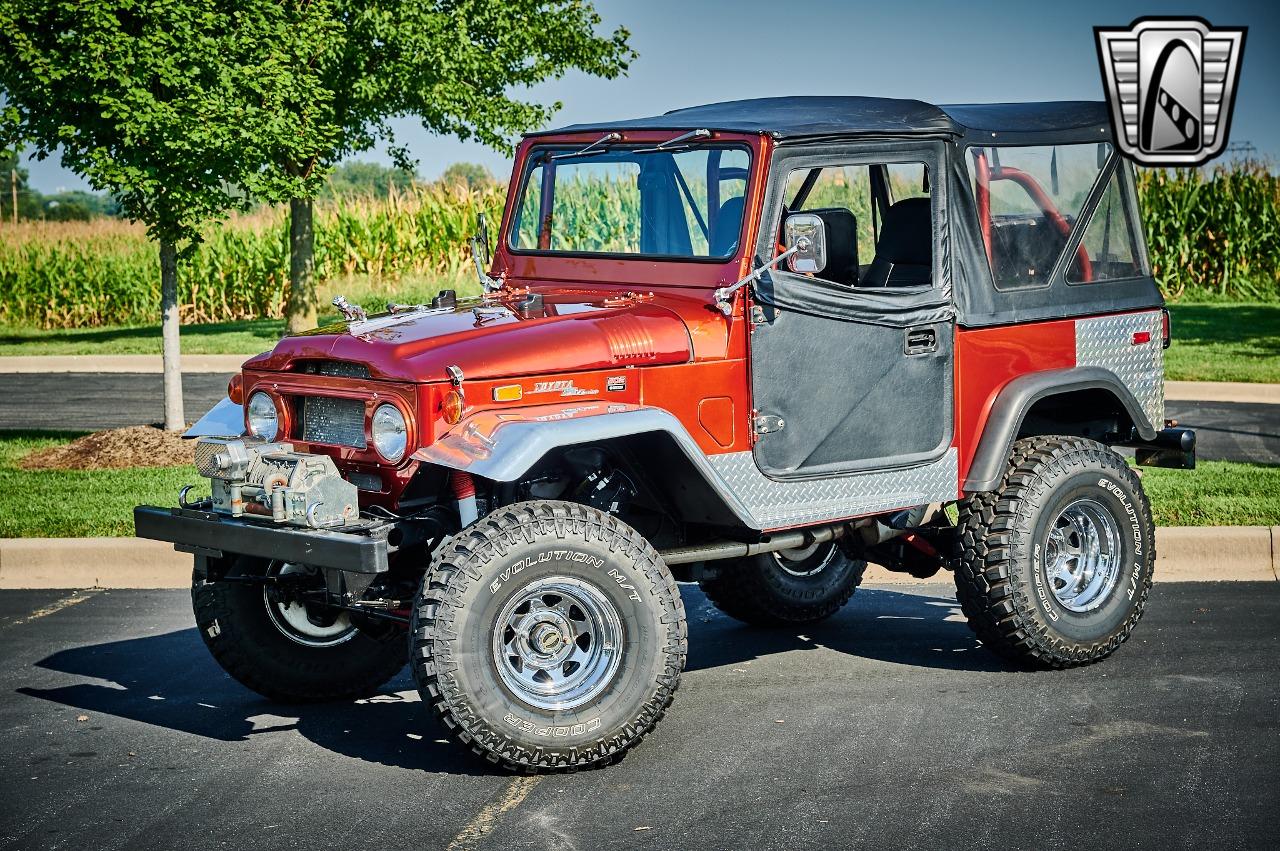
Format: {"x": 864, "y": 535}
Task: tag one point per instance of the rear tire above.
{"x": 1055, "y": 566}
{"x": 280, "y": 654}
{"x": 548, "y": 636}
{"x": 787, "y": 588}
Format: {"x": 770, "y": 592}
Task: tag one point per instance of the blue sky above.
{"x": 700, "y": 51}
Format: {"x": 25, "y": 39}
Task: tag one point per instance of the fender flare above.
{"x": 503, "y": 445}
{"x": 1016, "y": 399}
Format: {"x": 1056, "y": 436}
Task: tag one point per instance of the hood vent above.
{"x": 337, "y": 368}
{"x": 629, "y": 341}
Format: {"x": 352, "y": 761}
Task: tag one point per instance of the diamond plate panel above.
{"x": 775, "y": 504}
{"x": 1107, "y": 341}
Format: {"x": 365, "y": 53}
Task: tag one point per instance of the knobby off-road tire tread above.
{"x": 996, "y": 607}
{"x": 745, "y": 596}
{"x": 210, "y": 603}
{"x": 457, "y": 563}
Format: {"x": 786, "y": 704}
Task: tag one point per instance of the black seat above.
{"x": 842, "y": 245}
{"x": 904, "y": 255}
{"x": 728, "y": 224}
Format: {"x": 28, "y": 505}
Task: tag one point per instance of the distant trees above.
{"x": 14, "y": 191}
{"x": 472, "y": 175}
{"x": 65, "y": 206}
{"x": 364, "y": 178}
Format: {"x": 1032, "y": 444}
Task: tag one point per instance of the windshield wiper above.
{"x": 593, "y": 148}
{"x": 697, "y": 135}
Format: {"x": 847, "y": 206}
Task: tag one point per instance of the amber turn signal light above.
{"x": 508, "y": 393}
{"x": 452, "y": 407}
{"x": 235, "y": 389}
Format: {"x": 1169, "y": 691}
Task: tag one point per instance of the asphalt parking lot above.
{"x": 886, "y": 726}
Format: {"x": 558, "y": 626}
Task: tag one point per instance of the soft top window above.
{"x": 878, "y": 220}
{"x": 682, "y": 203}
{"x": 1028, "y": 200}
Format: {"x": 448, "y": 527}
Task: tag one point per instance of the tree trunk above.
{"x": 173, "y": 416}
{"x": 300, "y": 310}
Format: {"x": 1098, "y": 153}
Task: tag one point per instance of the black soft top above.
{"x": 827, "y": 116}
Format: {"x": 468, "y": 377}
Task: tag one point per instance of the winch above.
{"x": 273, "y": 481}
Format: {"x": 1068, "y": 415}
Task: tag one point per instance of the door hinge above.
{"x": 769, "y": 423}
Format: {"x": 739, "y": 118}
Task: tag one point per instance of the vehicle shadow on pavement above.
{"x": 169, "y": 680}
{"x": 918, "y": 629}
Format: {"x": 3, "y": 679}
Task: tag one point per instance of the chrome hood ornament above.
{"x": 350, "y": 312}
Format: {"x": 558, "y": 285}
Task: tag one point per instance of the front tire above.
{"x": 1055, "y": 566}
{"x": 548, "y": 635}
{"x": 285, "y": 652}
{"x": 787, "y": 588}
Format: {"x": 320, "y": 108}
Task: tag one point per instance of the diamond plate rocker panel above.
{"x": 775, "y": 504}
{"x": 1107, "y": 341}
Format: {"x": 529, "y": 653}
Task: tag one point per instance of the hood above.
{"x": 498, "y": 336}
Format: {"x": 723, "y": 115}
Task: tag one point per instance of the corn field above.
{"x": 106, "y": 272}
{"x": 1213, "y": 235}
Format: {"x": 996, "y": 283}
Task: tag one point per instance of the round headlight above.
{"x": 390, "y": 434}
{"x": 262, "y": 419}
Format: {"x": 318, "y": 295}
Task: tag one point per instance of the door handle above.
{"x": 920, "y": 341}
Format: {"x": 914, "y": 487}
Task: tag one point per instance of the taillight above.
{"x": 1164, "y": 323}
{"x": 235, "y": 389}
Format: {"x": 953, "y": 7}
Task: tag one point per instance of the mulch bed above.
{"x": 115, "y": 449}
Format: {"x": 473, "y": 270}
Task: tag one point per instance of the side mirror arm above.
{"x": 489, "y": 284}
{"x": 724, "y": 295}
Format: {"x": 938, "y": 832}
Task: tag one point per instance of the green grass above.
{"x": 1216, "y": 493}
{"x": 1224, "y": 342}
{"x": 246, "y": 337}
{"x": 74, "y": 504}
{"x": 243, "y": 337}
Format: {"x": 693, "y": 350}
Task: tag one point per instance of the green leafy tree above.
{"x": 473, "y": 175}
{"x": 174, "y": 106}
{"x": 450, "y": 63}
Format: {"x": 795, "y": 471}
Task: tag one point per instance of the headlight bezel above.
{"x": 400, "y": 428}
{"x": 272, "y": 413}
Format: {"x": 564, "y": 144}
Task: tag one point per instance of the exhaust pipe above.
{"x": 734, "y": 549}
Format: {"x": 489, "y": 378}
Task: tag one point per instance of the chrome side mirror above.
{"x": 805, "y": 235}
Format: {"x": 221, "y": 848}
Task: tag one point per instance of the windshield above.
{"x": 682, "y": 203}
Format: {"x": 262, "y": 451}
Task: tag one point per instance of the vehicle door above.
{"x": 852, "y": 366}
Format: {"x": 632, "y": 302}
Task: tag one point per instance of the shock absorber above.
{"x": 464, "y": 491}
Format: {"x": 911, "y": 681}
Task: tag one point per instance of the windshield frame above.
{"x": 540, "y": 153}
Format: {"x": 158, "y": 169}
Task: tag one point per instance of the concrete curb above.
{"x": 117, "y": 363}
{"x": 1183, "y": 554}
{"x": 1221, "y": 391}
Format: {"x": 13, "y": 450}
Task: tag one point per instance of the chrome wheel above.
{"x": 1082, "y": 555}
{"x": 309, "y": 626}
{"x": 806, "y": 561}
{"x": 558, "y": 643}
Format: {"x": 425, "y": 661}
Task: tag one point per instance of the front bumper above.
{"x": 216, "y": 534}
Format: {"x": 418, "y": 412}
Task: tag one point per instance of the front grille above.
{"x": 329, "y": 419}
